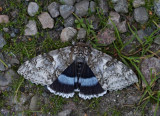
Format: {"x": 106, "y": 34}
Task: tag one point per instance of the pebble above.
{"x": 122, "y": 27}
{"x": 66, "y": 10}
{"x": 32, "y": 8}
{"x": 103, "y": 6}
{"x": 4, "y": 19}
{"x": 8, "y": 77}
{"x": 68, "y": 2}
{"x": 81, "y": 8}
{"x": 67, "y": 34}
{"x": 13, "y": 34}
{"x": 53, "y": 9}
{"x": 92, "y": 6}
{"x": 69, "y": 22}
{"x": 157, "y": 40}
{"x": 121, "y": 6}
{"x": 2, "y": 67}
{"x": 46, "y": 20}
{"x": 5, "y": 30}
{"x": 147, "y": 65}
{"x": 31, "y": 28}
{"x": 2, "y": 41}
{"x": 106, "y": 37}
{"x": 65, "y": 112}
{"x": 114, "y": 17}
{"x": 141, "y": 15}
{"x": 157, "y": 7}
{"x": 33, "y": 104}
{"x": 81, "y": 33}
{"x": 138, "y": 3}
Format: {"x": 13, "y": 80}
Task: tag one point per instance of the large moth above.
{"x": 79, "y": 68}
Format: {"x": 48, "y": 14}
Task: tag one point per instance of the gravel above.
{"x": 103, "y": 6}
{"x": 32, "y": 8}
{"x": 157, "y": 7}
{"x": 46, "y": 20}
{"x": 81, "y": 8}
{"x": 4, "y": 19}
{"x": 69, "y": 22}
{"x": 147, "y": 65}
{"x": 2, "y": 41}
{"x": 141, "y": 15}
{"x": 66, "y": 10}
{"x": 31, "y": 28}
{"x": 53, "y": 9}
{"x": 67, "y": 34}
{"x": 121, "y": 6}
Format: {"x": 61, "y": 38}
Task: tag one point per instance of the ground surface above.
{"x": 126, "y": 30}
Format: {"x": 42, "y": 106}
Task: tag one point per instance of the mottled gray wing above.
{"x": 44, "y": 69}
{"x": 112, "y": 74}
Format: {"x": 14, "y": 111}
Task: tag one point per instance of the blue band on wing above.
{"x": 67, "y": 80}
{"x": 88, "y": 81}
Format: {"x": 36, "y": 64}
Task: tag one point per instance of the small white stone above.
{"x": 46, "y": 20}
{"x": 32, "y": 8}
{"x": 67, "y": 34}
{"x": 31, "y": 28}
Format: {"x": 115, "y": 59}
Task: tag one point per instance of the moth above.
{"x": 79, "y": 68}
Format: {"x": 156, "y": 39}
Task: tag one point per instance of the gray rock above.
{"x": 141, "y": 15}
{"x": 122, "y": 27}
{"x": 4, "y": 19}
{"x": 69, "y": 22}
{"x": 114, "y": 17}
{"x": 13, "y": 34}
{"x": 65, "y": 112}
{"x": 46, "y": 20}
{"x": 147, "y": 65}
{"x": 5, "y": 30}
{"x": 2, "y": 67}
{"x": 121, "y": 6}
{"x": 138, "y": 3}
{"x": 66, "y": 10}
{"x": 157, "y": 7}
{"x": 33, "y": 104}
{"x": 68, "y": 2}
{"x": 31, "y": 28}
{"x": 103, "y": 6}
{"x": 106, "y": 37}
{"x": 92, "y": 6}
{"x": 32, "y": 8}
{"x": 157, "y": 40}
{"x": 67, "y": 34}
{"x": 81, "y": 33}
{"x": 2, "y": 41}
{"x": 81, "y": 8}
{"x": 8, "y": 77}
{"x": 53, "y": 9}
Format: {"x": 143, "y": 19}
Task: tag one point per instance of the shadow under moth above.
{"x": 79, "y": 68}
